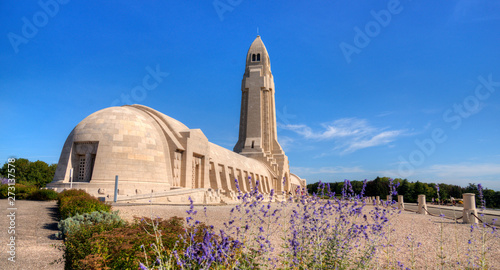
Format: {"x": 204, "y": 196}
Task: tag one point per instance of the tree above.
{"x": 404, "y": 188}
{"x": 21, "y": 167}
{"x": 378, "y": 187}
{"x": 456, "y": 191}
{"x": 471, "y": 188}
{"x": 418, "y": 189}
{"x": 313, "y": 188}
{"x": 430, "y": 191}
{"x": 357, "y": 186}
{"x": 37, "y": 173}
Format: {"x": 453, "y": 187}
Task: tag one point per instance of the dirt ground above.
{"x": 35, "y": 227}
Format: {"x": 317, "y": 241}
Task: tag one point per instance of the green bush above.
{"x": 63, "y": 196}
{"x": 120, "y": 248}
{"x": 78, "y": 242}
{"x": 72, "y": 202}
{"x": 43, "y": 195}
{"x": 72, "y": 193}
{"x": 21, "y": 191}
{"x": 117, "y": 246}
{"x": 73, "y": 224}
{"x": 4, "y": 191}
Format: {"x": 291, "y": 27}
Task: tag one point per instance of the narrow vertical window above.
{"x": 253, "y": 143}
{"x": 253, "y": 57}
{"x": 81, "y": 169}
{"x": 258, "y": 57}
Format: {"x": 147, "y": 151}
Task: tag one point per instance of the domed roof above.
{"x": 117, "y": 122}
{"x": 174, "y": 125}
{"x": 129, "y": 140}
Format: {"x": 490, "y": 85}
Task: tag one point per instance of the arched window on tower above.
{"x": 258, "y": 57}
{"x": 253, "y": 57}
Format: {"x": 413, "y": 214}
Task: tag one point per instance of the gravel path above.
{"x": 429, "y": 234}
{"x": 35, "y": 226}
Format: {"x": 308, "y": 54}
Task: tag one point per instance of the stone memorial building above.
{"x": 157, "y": 156}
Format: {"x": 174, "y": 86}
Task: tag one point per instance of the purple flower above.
{"x": 481, "y": 197}
{"x": 5, "y": 181}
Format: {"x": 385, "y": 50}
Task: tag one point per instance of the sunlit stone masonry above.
{"x": 469, "y": 211}
{"x": 422, "y": 205}
{"x": 157, "y": 156}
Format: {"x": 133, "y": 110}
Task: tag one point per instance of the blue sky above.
{"x": 363, "y": 88}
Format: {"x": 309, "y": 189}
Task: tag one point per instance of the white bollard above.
{"x": 401, "y": 204}
{"x": 389, "y": 199}
{"x": 377, "y": 200}
{"x": 422, "y": 206}
{"x": 469, "y": 208}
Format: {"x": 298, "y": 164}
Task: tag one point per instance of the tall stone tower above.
{"x": 258, "y": 137}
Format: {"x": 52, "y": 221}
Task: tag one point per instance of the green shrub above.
{"x": 63, "y": 196}
{"x": 43, "y": 195}
{"x": 73, "y": 224}
{"x": 117, "y": 246}
{"x": 72, "y": 202}
{"x": 78, "y": 242}
{"x": 21, "y": 191}
{"x": 72, "y": 193}
{"x": 4, "y": 191}
{"x": 120, "y": 248}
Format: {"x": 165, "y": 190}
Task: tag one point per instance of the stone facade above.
{"x": 157, "y": 156}
{"x": 258, "y": 137}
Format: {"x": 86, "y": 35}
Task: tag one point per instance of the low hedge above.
{"x": 72, "y": 202}
{"x": 78, "y": 243}
{"x": 74, "y": 223}
{"x": 21, "y": 191}
{"x": 43, "y": 195}
{"x": 121, "y": 247}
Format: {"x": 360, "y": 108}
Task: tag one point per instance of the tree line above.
{"x": 410, "y": 190}
{"x": 33, "y": 173}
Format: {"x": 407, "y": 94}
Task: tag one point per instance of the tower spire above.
{"x": 258, "y": 136}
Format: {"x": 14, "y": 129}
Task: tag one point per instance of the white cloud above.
{"x": 383, "y": 114}
{"x": 464, "y": 170}
{"x": 285, "y": 142}
{"x": 460, "y": 174}
{"x": 350, "y": 134}
{"x": 379, "y": 139}
{"x": 467, "y": 11}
